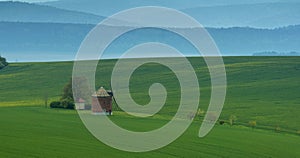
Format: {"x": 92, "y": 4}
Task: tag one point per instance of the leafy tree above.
{"x": 252, "y": 124}
{"x": 200, "y": 112}
{"x": 3, "y": 62}
{"x": 66, "y": 101}
{"x": 81, "y": 89}
{"x": 46, "y": 99}
{"x": 232, "y": 119}
{"x": 67, "y": 92}
{"x": 277, "y": 129}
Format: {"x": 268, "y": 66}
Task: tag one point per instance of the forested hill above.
{"x": 65, "y": 39}
{"x": 14, "y": 11}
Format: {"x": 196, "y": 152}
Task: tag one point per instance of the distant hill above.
{"x": 41, "y": 41}
{"x": 272, "y": 53}
{"x": 263, "y": 15}
{"x": 104, "y": 7}
{"x": 29, "y": 12}
{"x": 31, "y": 41}
{"x": 214, "y": 13}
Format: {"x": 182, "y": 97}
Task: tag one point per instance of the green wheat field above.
{"x": 261, "y": 89}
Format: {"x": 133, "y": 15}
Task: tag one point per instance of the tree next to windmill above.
{"x": 66, "y": 101}
{"x": 3, "y": 62}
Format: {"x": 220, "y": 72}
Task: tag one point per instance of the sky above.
{"x": 31, "y": 1}
{"x": 56, "y": 0}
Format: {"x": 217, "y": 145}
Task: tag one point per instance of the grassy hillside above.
{"x": 264, "y": 89}
{"x": 259, "y": 88}
{"x": 27, "y": 84}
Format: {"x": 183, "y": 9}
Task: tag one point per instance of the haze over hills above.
{"x": 263, "y": 15}
{"x": 35, "y": 41}
{"x": 29, "y": 12}
{"x": 36, "y": 32}
{"x": 215, "y": 13}
{"x": 106, "y": 8}
{"x": 212, "y": 14}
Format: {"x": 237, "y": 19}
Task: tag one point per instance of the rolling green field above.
{"x": 261, "y": 89}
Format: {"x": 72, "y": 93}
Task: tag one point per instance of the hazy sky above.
{"x": 30, "y": 0}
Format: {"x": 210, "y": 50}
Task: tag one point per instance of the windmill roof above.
{"x": 101, "y": 93}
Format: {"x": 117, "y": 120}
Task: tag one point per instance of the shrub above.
{"x": 200, "y": 112}
{"x": 252, "y": 124}
{"x": 221, "y": 122}
{"x": 277, "y": 129}
{"x": 63, "y": 104}
{"x": 67, "y": 104}
{"x": 56, "y": 104}
{"x": 67, "y": 91}
{"x": 232, "y": 119}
